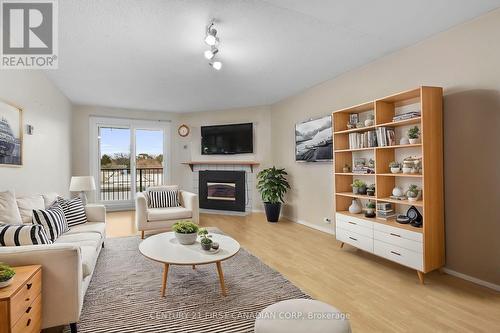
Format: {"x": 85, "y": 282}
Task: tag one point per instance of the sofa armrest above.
{"x": 190, "y": 201}
{"x": 95, "y": 213}
{"x": 61, "y": 278}
{"x": 141, "y": 211}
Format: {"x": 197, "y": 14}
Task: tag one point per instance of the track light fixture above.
{"x": 212, "y": 40}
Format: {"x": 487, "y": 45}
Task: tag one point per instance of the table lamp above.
{"x": 82, "y": 184}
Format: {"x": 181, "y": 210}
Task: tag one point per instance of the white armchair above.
{"x": 147, "y": 218}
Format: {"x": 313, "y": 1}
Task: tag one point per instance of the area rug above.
{"x": 124, "y": 294}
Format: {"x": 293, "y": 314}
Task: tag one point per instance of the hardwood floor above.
{"x": 378, "y": 295}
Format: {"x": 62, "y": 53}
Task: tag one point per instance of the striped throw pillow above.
{"x": 74, "y": 211}
{"x": 53, "y": 221}
{"x": 17, "y": 235}
{"x": 163, "y": 199}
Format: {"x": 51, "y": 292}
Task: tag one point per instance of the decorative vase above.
{"x": 397, "y": 192}
{"x": 186, "y": 239}
{"x": 395, "y": 170}
{"x": 7, "y": 283}
{"x": 370, "y": 192}
{"x": 355, "y": 207}
{"x": 345, "y": 170}
{"x": 362, "y": 190}
{"x": 355, "y": 190}
{"x": 414, "y": 141}
{"x": 369, "y": 122}
{"x": 272, "y": 211}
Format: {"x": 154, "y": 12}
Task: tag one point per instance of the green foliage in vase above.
{"x": 272, "y": 185}
{"x": 358, "y": 183}
{"x": 205, "y": 237}
{"x": 185, "y": 227}
{"x": 6, "y": 272}
{"x": 413, "y": 133}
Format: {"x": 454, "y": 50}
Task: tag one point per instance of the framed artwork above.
{"x": 11, "y": 135}
{"x": 313, "y": 140}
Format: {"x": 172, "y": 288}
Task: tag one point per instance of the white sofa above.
{"x": 67, "y": 267}
{"x": 147, "y": 218}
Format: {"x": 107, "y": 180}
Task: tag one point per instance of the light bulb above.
{"x": 216, "y": 65}
{"x": 210, "y": 40}
{"x": 209, "y": 54}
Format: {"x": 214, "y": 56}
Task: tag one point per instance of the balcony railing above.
{"x": 116, "y": 182}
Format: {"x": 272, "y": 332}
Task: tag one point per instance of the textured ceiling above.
{"x": 149, "y": 54}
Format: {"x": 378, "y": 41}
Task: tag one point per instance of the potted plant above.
{"x": 414, "y": 135}
{"x": 395, "y": 167}
{"x": 206, "y": 242}
{"x": 6, "y": 275}
{"x": 370, "y": 190}
{"x": 185, "y": 232}
{"x": 370, "y": 209}
{"x": 370, "y": 120}
{"x": 413, "y": 193}
{"x": 346, "y": 168}
{"x": 272, "y": 185}
{"x": 358, "y": 186}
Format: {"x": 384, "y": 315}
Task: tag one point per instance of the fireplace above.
{"x": 222, "y": 190}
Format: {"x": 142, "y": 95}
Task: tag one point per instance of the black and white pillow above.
{"x": 163, "y": 199}
{"x": 17, "y": 235}
{"x": 53, "y": 221}
{"x": 74, "y": 211}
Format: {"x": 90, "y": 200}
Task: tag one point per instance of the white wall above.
{"x": 47, "y": 157}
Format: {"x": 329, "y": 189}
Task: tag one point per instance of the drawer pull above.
{"x": 398, "y": 254}
{"x": 29, "y": 322}
{"x": 28, "y": 309}
{"x": 29, "y": 285}
{"x": 395, "y": 235}
{"x": 352, "y": 223}
{"x": 354, "y": 239}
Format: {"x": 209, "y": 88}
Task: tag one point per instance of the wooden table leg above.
{"x": 194, "y": 266}
{"x": 342, "y": 245}
{"x": 221, "y": 278}
{"x": 420, "y": 277}
{"x": 164, "y": 283}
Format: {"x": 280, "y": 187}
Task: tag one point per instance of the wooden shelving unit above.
{"x": 431, "y": 204}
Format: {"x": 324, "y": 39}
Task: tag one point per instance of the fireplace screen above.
{"x": 221, "y": 191}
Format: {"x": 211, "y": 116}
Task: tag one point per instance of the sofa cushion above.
{"x": 89, "y": 258}
{"x": 73, "y": 210}
{"x": 9, "y": 213}
{"x": 163, "y": 199}
{"x": 83, "y": 239}
{"x": 18, "y": 235}
{"x": 49, "y": 198}
{"x": 171, "y": 213}
{"x": 27, "y": 204}
{"x": 97, "y": 227}
{"x": 52, "y": 219}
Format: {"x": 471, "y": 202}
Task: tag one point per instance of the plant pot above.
{"x": 370, "y": 192}
{"x": 414, "y": 141}
{"x": 355, "y": 190}
{"x": 7, "y": 283}
{"x": 395, "y": 170}
{"x": 370, "y": 212}
{"x": 362, "y": 190}
{"x": 354, "y": 208}
{"x": 272, "y": 211}
{"x": 206, "y": 246}
{"x": 186, "y": 239}
{"x": 407, "y": 170}
{"x": 345, "y": 170}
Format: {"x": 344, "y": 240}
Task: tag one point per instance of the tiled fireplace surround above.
{"x": 249, "y": 180}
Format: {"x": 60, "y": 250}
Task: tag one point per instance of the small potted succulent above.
{"x": 370, "y": 190}
{"x": 358, "y": 187}
{"x": 185, "y": 232}
{"x": 395, "y": 167}
{"x": 346, "y": 168}
{"x": 413, "y": 193}
{"x": 205, "y": 241}
{"x": 414, "y": 135}
{"x": 6, "y": 275}
{"x": 370, "y": 209}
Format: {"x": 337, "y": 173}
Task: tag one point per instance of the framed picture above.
{"x": 313, "y": 140}
{"x": 11, "y": 135}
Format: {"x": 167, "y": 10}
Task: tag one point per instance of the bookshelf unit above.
{"x": 419, "y": 248}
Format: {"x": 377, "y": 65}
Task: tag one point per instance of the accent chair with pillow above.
{"x": 64, "y": 237}
{"x": 159, "y": 207}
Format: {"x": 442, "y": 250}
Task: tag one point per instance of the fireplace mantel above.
{"x": 224, "y": 162}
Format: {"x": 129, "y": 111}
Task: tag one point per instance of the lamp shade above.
{"x": 82, "y": 183}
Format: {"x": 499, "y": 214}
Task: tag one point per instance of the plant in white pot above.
{"x": 414, "y": 135}
{"x": 272, "y": 185}
{"x": 395, "y": 167}
{"x": 185, "y": 232}
{"x": 6, "y": 275}
{"x": 413, "y": 193}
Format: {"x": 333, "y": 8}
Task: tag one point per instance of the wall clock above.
{"x": 183, "y": 130}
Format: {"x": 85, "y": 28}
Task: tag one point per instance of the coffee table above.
{"x": 166, "y": 249}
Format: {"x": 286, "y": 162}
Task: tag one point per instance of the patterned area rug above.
{"x": 124, "y": 294}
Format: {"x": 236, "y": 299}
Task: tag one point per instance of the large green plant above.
{"x": 272, "y": 184}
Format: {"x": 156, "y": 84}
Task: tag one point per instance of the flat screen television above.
{"x": 227, "y": 139}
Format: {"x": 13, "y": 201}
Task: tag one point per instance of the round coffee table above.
{"x": 166, "y": 249}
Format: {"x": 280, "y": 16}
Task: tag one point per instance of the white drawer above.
{"x": 354, "y": 221}
{"x": 355, "y": 227}
{"x": 357, "y": 240}
{"x": 398, "y": 254}
{"x": 403, "y": 233}
{"x": 396, "y": 239}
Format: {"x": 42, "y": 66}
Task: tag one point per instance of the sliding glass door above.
{"x": 126, "y": 157}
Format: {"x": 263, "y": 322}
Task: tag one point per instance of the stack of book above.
{"x": 385, "y": 211}
{"x": 362, "y": 140}
{"x": 407, "y": 115}
{"x": 362, "y": 170}
{"x": 386, "y": 136}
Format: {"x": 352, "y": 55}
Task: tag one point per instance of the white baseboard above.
{"x": 472, "y": 279}
{"x": 312, "y": 226}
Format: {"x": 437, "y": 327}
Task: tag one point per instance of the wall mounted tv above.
{"x": 227, "y": 139}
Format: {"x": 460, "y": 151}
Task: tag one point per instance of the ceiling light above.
{"x": 216, "y": 65}
{"x": 209, "y": 54}
{"x": 211, "y": 35}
